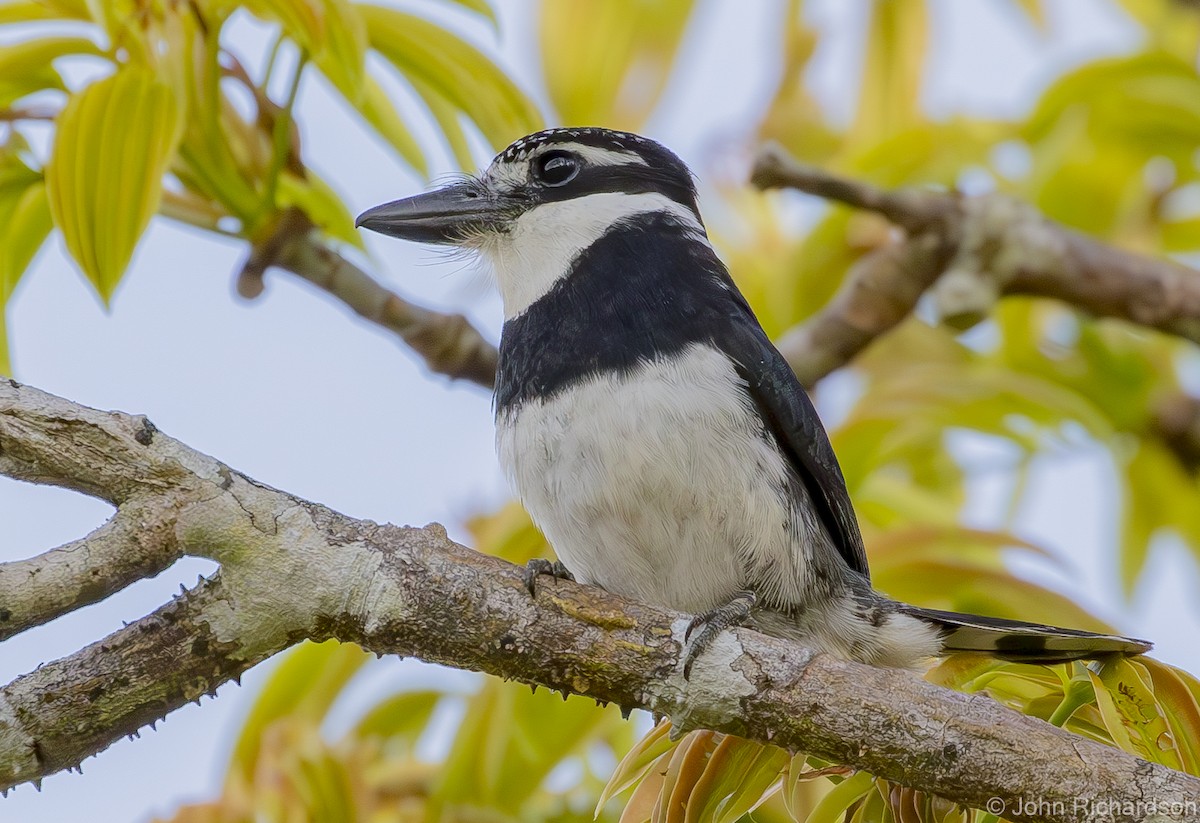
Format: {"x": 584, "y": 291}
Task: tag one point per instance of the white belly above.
{"x": 657, "y": 485}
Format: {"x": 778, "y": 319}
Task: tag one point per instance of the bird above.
{"x": 652, "y": 430}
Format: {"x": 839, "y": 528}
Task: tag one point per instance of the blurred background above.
{"x": 1016, "y": 465}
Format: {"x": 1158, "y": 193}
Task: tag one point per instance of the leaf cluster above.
{"x": 174, "y": 123}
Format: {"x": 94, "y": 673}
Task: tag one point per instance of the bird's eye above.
{"x": 556, "y": 168}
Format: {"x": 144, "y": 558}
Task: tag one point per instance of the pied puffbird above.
{"x": 651, "y": 429}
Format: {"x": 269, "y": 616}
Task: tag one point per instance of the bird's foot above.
{"x": 539, "y": 566}
{"x": 710, "y": 624}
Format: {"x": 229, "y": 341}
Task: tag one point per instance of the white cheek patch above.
{"x": 543, "y": 242}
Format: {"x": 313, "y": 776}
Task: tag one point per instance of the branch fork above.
{"x": 292, "y": 570}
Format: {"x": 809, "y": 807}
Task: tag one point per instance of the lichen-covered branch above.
{"x": 291, "y": 569}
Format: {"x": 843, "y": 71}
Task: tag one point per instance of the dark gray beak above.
{"x": 443, "y": 216}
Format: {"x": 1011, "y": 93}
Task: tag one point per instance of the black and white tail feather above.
{"x": 1020, "y": 641}
{"x": 657, "y": 437}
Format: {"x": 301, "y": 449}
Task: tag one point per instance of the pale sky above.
{"x": 297, "y": 393}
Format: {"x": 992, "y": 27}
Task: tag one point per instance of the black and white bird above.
{"x": 653, "y": 432}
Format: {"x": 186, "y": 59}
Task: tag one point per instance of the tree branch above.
{"x": 448, "y": 343}
{"x": 136, "y": 543}
{"x": 967, "y": 253}
{"x": 989, "y": 246}
{"x": 291, "y": 570}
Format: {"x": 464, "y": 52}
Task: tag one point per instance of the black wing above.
{"x": 789, "y": 413}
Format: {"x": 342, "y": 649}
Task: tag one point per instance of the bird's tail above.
{"x": 1023, "y": 642}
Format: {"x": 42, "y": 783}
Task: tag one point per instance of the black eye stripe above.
{"x": 629, "y": 179}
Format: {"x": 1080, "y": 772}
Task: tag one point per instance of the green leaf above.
{"x": 321, "y": 203}
{"x": 305, "y": 684}
{"x": 325, "y": 788}
{"x": 458, "y": 71}
{"x": 343, "y": 53}
{"x": 480, "y": 7}
{"x": 511, "y": 739}
{"x": 303, "y": 21}
{"x": 115, "y": 141}
{"x": 613, "y": 69}
{"x": 402, "y": 715}
{"x": 448, "y": 119}
{"x": 24, "y": 11}
{"x": 24, "y": 226}
{"x": 210, "y": 167}
{"x": 833, "y": 805}
{"x": 377, "y": 109}
{"x": 1178, "y": 693}
{"x": 638, "y": 761}
{"x": 1125, "y": 697}
{"x": 897, "y": 44}
{"x": 27, "y": 67}
{"x": 735, "y": 781}
{"x": 5, "y": 357}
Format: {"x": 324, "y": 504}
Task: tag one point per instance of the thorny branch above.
{"x": 291, "y": 570}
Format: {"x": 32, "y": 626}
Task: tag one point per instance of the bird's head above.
{"x": 542, "y": 201}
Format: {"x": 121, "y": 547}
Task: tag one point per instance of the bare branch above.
{"x": 110, "y": 456}
{"x": 1002, "y": 246}
{"x": 137, "y": 542}
{"x": 291, "y": 569}
{"x": 449, "y": 344}
{"x": 880, "y": 291}
{"x": 967, "y": 253}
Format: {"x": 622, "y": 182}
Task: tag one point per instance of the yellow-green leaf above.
{"x": 24, "y": 226}
{"x": 897, "y": 44}
{"x": 833, "y": 805}
{"x": 455, "y": 69}
{"x": 638, "y": 761}
{"x": 321, "y": 203}
{"x": 448, "y": 119}
{"x": 608, "y": 63}
{"x": 28, "y": 66}
{"x": 301, "y": 20}
{"x": 342, "y": 56}
{"x": 511, "y": 739}
{"x": 401, "y": 715}
{"x": 480, "y": 7}
{"x": 5, "y": 357}
{"x": 1177, "y": 693}
{"x": 24, "y": 11}
{"x": 115, "y": 141}
{"x": 377, "y": 109}
{"x": 304, "y": 685}
{"x": 735, "y": 781}
{"x": 1127, "y": 698}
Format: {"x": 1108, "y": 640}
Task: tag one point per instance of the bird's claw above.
{"x": 539, "y": 566}
{"x": 712, "y": 623}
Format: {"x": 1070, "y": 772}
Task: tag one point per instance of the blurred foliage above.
{"x": 1144, "y": 707}
{"x": 1110, "y": 147}
{"x": 174, "y": 123}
